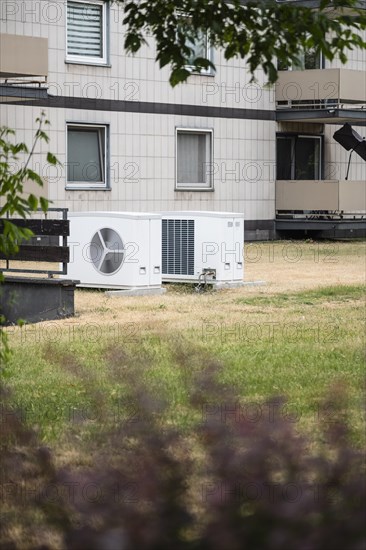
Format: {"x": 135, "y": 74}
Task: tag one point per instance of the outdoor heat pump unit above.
{"x": 203, "y": 247}
{"x": 115, "y": 250}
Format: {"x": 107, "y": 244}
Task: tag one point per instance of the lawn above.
{"x": 299, "y": 335}
{"x": 93, "y": 387}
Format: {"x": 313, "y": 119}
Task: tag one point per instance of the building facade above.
{"x": 127, "y": 141}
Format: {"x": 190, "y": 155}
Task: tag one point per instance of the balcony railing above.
{"x": 342, "y": 196}
{"x": 23, "y": 56}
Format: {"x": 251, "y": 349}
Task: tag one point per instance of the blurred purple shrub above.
{"x": 232, "y": 484}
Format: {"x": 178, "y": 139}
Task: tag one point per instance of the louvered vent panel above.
{"x": 178, "y": 247}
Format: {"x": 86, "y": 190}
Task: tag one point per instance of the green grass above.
{"x": 340, "y": 293}
{"x": 75, "y": 387}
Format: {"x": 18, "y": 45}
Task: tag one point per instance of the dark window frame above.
{"x": 293, "y": 136}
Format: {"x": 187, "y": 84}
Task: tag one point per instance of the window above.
{"x": 200, "y": 45}
{"x": 299, "y": 157}
{"x": 86, "y": 31}
{"x": 194, "y": 159}
{"x": 309, "y": 59}
{"x": 86, "y": 156}
{"x": 201, "y": 48}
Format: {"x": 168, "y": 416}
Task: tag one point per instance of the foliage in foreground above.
{"x": 15, "y": 172}
{"x": 13, "y": 176}
{"x": 261, "y": 32}
{"x": 241, "y": 481}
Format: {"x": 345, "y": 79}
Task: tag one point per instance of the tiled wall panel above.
{"x": 142, "y": 146}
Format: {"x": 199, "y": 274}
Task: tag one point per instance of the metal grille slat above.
{"x": 178, "y": 247}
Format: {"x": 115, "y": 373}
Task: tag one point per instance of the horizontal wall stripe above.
{"x": 260, "y": 225}
{"x": 151, "y": 108}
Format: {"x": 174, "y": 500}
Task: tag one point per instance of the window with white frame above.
{"x": 200, "y": 46}
{"x": 194, "y": 159}
{"x": 86, "y": 31}
{"x": 310, "y": 58}
{"x": 87, "y": 156}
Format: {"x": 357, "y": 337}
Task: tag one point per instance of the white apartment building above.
{"x": 127, "y": 141}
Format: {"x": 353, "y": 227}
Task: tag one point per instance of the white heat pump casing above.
{"x": 193, "y": 242}
{"x": 115, "y": 250}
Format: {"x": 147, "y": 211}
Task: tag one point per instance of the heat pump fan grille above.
{"x": 178, "y": 247}
{"x": 107, "y": 251}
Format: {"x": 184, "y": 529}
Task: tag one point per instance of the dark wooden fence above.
{"x": 38, "y": 298}
{"x": 51, "y": 252}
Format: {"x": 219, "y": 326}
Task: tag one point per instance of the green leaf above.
{"x": 51, "y": 159}
{"x": 44, "y": 204}
{"x": 26, "y": 234}
{"x": 178, "y": 75}
{"x": 32, "y": 202}
{"x": 34, "y": 177}
{"x": 40, "y": 134}
{"x": 133, "y": 43}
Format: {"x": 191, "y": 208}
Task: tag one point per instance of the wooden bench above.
{"x": 33, "y": 298}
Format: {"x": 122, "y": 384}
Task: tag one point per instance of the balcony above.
{"x": 338, "y": 197}
{"x": 23, "y": 56}
{"x": 23, "y": 68}
{"x": 321, "y": 95}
